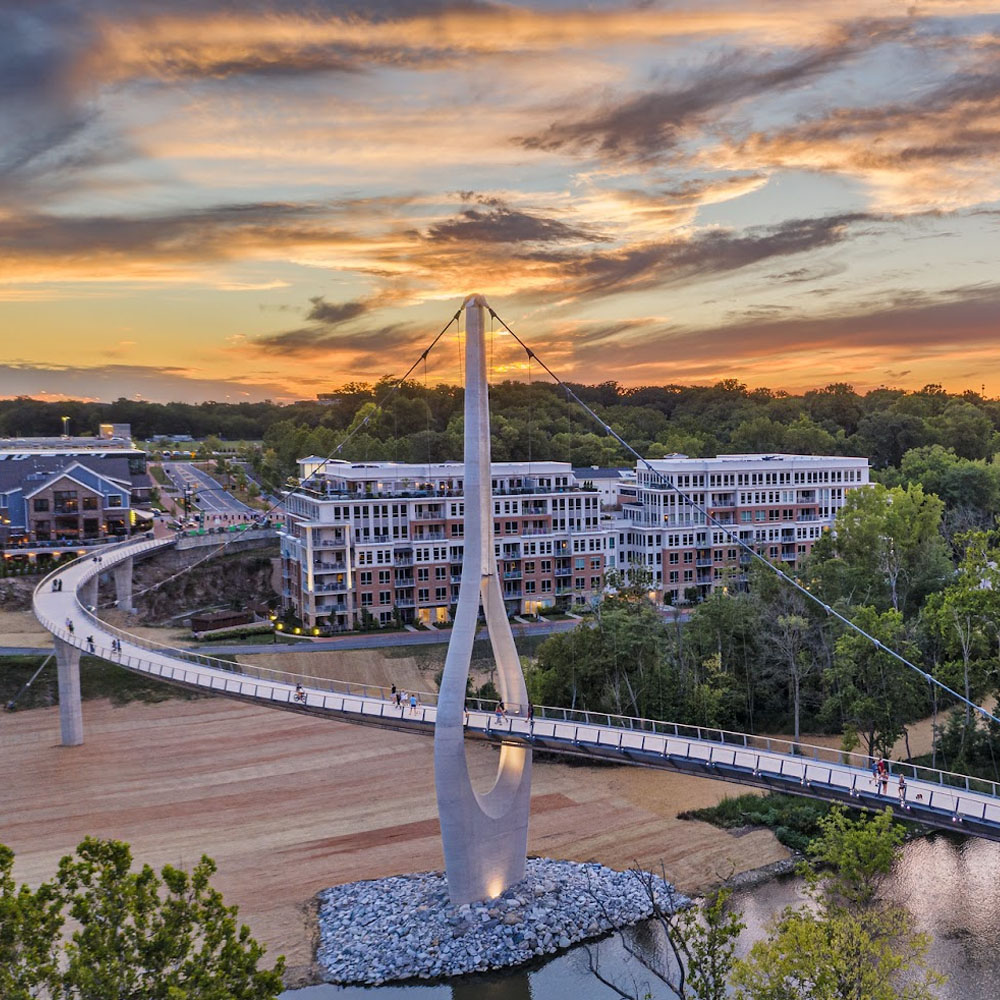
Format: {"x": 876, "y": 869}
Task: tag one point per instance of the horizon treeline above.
{"x": 419, "y": 423}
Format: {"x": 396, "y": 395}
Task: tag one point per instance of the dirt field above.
{"x": 289, "y": 805}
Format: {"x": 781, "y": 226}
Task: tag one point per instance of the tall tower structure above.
{"x": 485, "y": 834}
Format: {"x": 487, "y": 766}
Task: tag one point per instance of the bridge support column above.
{"x": 88, "y": 592}
{"x": 70, "y": 709}
{"x": 485, "y": 835}
{"x": 123, "y": 585}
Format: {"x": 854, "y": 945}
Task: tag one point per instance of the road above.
{"x": 372, "y": 640}
{"x": 212, "y": 497}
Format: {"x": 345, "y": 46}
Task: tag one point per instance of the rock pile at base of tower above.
{"x": 404, "y": 927}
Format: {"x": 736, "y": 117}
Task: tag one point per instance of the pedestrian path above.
{"x": 936, "y": 798}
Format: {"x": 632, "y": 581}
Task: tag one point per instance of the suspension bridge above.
{"x": 485, "y": 834}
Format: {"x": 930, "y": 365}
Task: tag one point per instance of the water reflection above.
{"x": 517, "y": 986}
{"x": 949, "y": 885}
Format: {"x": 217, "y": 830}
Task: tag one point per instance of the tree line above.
{"x": 420, "y": 423}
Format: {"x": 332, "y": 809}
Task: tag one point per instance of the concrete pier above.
{"x": 87, "y": 592}
{"x": 70, "y": 708}
{"x": 123, "y": 585}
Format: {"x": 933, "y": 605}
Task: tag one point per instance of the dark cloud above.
{"x": 376, "y": 343}
{"x": 643, "y": 126}
{"x": 218, "y": 232}
{"x": 706, "y": 255}
{"x": 909, "y": 323}
{"x": 333, "y": 313}
{"x": 500, "y": 224}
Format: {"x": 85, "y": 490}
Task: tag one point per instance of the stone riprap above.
{"x": 404, "y": 927}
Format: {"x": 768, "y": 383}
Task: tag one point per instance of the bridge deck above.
{"x": 933, "y": 797}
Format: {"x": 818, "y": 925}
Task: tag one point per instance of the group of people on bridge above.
{"x": 880, "y": 779}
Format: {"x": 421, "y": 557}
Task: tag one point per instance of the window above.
{"x": 384, "y": 575}
{"x": 90, "y": 503}
{"x": 115, "y": 500}
{"x": 366, "y": 600}
{"x": 423, "y": 594}
{"x": 365, "y": 578}
{"x": 40, "y": 504}
{"x": 64, "y": 501}
{"x": 385, "y": 597}
{"x": 423, "y": 573}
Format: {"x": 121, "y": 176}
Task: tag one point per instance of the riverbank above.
{"x": 291, "y": 805}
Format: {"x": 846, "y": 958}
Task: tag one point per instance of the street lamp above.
{"x": 65, "y": 422}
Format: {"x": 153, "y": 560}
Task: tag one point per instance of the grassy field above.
{"x": 98, "y": 679}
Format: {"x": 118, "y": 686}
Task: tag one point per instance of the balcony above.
{"x": 339, "y": 567}
{"x": 330, "y": 588}
{"x": 703, "y": 562}
{"x": 402, "y": 561}
{"x": 429, "y": 515}
{"x": 513, "y": 574}
{"x": 432, "y": 535}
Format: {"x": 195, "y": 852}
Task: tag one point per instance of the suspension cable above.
{"x": 714, "y": 522}
{"x": 12, "y": 704}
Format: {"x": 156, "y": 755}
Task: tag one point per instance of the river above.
{"x": 949, "y": 884}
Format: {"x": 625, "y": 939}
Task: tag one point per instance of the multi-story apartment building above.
{"x": 778, "y": 504}
{"x": 387, "y": 540}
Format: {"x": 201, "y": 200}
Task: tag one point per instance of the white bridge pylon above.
{"x": 484, "y": 834}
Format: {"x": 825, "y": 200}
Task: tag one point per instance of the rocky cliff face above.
{"x": 173, "y": 584}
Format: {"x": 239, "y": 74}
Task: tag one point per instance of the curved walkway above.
{"x": 936, "y": 798}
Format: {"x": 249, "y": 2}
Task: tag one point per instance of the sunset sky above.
{"x": 248, "y": 200}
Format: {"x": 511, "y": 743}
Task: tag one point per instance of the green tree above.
{"x": 870, "y": 690}
{"x": 846, "y": 945}
{"x": 891, "y": 541}
{"x": 613, "y": 663}
{"x": 30, "y": 923}
{"x": 136, "y": 935}
{"x": 964, "y": 616}
{"x": 702, "y": 946}
{"x": 957, "y": 481}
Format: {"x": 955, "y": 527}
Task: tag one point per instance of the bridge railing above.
{"x": 347, "y": 688}
{"x": 581, "y": 720}
{"x": 770, "y": 744}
